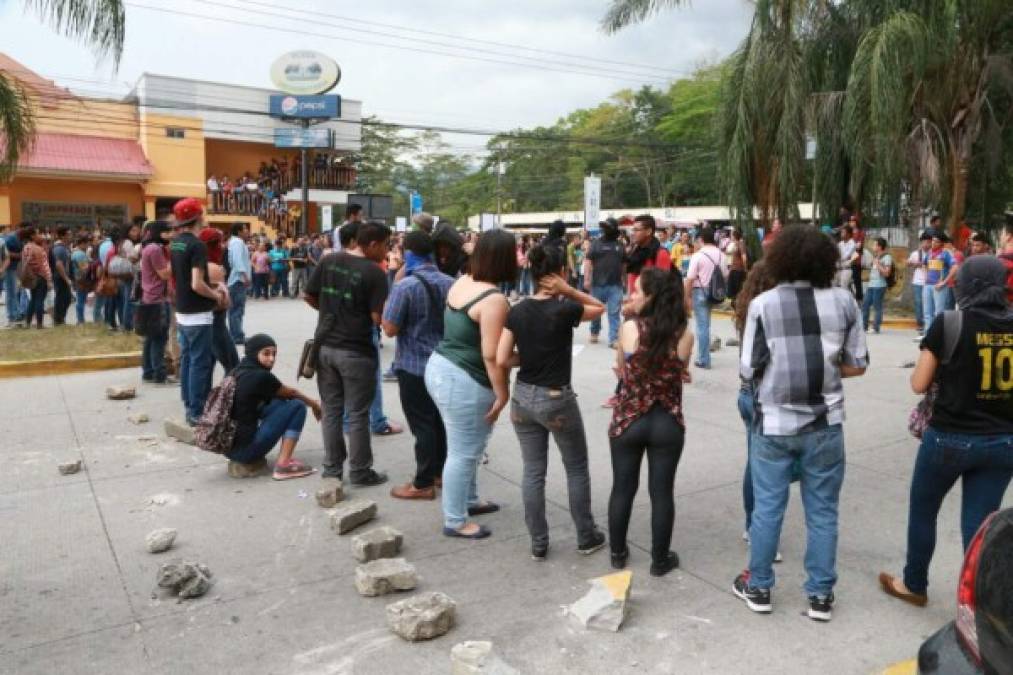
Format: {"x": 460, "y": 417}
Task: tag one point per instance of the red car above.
{"x": 980, "y": 639}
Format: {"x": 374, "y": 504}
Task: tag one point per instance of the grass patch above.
{"x": 29, "y": 344}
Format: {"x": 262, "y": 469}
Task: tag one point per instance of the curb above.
{"x": 69, "y": 364}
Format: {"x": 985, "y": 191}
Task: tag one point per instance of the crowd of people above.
{"x": 465, "y": 312}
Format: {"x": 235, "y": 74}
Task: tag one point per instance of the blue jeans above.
{"x": 81, "y": 301}
{"x": 98, "y": 309}
{"x": 279, "y": 419}
{"x": 280, "y": 284}
{"x": 126, "y": 307}
{"x": 196, "y": 364}
{"x": 14, "y": 312}
{"x": 916, "y": 298}
{"x": 153, "y": 352}
{"x": 112, "y": 309}
{"x": 935, "y": 302}
{"x": 463, "y": 403}
{"x": 983, "y": 463}
{"x": 873, "y": 300}
{"x": 822, "y": 461}
{"x": 612, "y": 296}
{"x": 702, "y": 315}
{"x": 524, "y": 281}
{"x": 237, "y": 310}
{"x": 746, "y": 408}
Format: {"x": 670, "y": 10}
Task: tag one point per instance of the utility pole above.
{"x": 499, "y": 186}
{"x": 304, "y": 180}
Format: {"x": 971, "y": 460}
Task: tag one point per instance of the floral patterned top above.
{"x": 645, "y": 384}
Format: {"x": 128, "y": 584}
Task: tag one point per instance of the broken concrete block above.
{"x": 477, "y": 658}
{"x": 715, "y": 344}
{"x": 139, "y": 418}
{"x": 384, "y": 576}
{"x": 120, "y": 392}
{"x": 332, "y": 492}
{"x": 68, "y": 468}
{"x": 382, "y": 542}
{"x": 422, "y": 617}
{"x": 350, "y": 515}
{"x": 184, "y": 579}
{"x": 605, "y": 605}
{"x": 179, "y": 430}
{"x": 732, "y": 342}
{"x": 160, "y": 540}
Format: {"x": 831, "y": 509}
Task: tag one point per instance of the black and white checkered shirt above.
{"x": 795, "y": 340}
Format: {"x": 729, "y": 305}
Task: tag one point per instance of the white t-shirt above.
{"x": 212, "y": 185}
{"x": 847, "y": 251}
{"x": 918, "y": 279}
{"x": 197, "y": 319}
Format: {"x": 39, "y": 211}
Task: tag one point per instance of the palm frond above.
{"x": 99, "y": 23}
{"x": 17, "y": 125}
{"x": 624, "y": 13}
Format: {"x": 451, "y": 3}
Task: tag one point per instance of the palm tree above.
{"x": 897, "y": 94}
{"x": 99, "y": 23}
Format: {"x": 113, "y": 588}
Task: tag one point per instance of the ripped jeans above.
{"x": 536, "y": 412}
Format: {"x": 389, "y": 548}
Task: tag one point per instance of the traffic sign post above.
{"x": 592, "y": 202}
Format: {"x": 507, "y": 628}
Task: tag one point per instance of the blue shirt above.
{"x": 279, "y": 259}
{"x": 420, "y": 324}
{"x": 239, "y": 261}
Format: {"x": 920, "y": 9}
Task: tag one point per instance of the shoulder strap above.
{"x": 434, "y": 299}
{"x": 953, "y": 323}
{"x": 481, "y": 296}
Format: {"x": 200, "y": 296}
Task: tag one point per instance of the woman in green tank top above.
{"x": 467, "y": 386}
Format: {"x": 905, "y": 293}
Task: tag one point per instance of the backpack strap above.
{"x": 434, "y": 298}
{"x": 953, "y": 323}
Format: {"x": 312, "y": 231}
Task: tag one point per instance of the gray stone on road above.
{"x": 184, "y": 579}
{"x": 382, "y": 542}
{"x": 180, "y": 430}
{"x": 160, "y": 540}
{"x": 422, "y": 617}
{"x": 120, "y": 392}
{"x": 384, "y": 576}
{"x": 331, "y": 493}
{"x": 351, "y": 514}
{"x": 69, "y": 468}
{"x": 476, "y": 657}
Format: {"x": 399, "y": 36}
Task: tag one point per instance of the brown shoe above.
{"x": 889, "y": 584}
{"x": 409, "y": 491}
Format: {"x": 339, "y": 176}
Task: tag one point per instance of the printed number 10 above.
{"x": 1003, "y": 365}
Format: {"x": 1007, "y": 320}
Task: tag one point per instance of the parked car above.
{"x": 980, "y": 639}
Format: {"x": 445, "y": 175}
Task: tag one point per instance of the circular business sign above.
{"x": 305, "y": 72}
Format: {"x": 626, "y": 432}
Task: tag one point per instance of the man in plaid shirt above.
{"x": 800, "y": 339}
{"x": 414, "y": 313}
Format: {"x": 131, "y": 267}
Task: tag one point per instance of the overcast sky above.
{"x": 397, "y": 84}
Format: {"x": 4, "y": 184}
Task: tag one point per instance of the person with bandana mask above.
{"x": 970, "y": 434}
{"x": 646, "y": 252}
{"x": 266, "y": 411}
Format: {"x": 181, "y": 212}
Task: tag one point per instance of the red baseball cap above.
{"x": 187, "y": 211}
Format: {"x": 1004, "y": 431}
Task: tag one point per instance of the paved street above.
{"x": 76, "y": 582}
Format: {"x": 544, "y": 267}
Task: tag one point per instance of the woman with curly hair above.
{"x": 655, "y": 347}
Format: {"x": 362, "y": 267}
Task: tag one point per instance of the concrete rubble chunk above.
{"x": 160, "y": 540}
{"x": 179, "y": 430}
{"x": 715, "y": 344}
{"x": 606, "y": 605}
{"x": 422, "y": 617}
{"x": 69, "y": 468}
{"x": 139, "y": 418}
{"x": 349, "y": 515}
{"x": 476, "y": 657}
{"x": 184, "y": 579}
{"x": 120, "y": 392}
{"x": 332, "y": 492}
{"x": 732, "y": 342}
{"x": 384, "y": 576}
{"x": 381, "y": 542}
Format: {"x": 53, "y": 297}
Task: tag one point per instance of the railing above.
{"x": 244, "y": 202}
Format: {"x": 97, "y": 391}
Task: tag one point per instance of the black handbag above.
{"x": 150, "y": 320}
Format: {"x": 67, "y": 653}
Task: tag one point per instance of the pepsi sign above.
{"x": 305, "y": 107}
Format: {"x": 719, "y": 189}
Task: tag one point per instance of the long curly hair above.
{"x": 663, "y": 315}
{"x": 758, "y": 281}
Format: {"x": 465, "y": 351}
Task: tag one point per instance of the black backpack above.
{"x": 717, "y": 289}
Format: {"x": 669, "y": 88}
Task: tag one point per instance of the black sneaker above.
{"x": 619, "y": 559}
{"x": 332, "y": 472}
{"x": 660, "y": 568}
{"x": 756, "y": 599}
{"x": 596, "y": 543}
{"x": 821, "y": 607}
{"x": 370, "y": 479}
{"x": 539, "y": 551}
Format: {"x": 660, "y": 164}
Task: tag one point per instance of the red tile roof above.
{"x": 70, "y": 153}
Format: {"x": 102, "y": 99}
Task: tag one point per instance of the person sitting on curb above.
{"x": 265, "y": 410}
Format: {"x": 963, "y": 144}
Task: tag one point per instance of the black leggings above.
{"x": 662, "y": 437}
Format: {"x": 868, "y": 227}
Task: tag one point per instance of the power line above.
{"x": 303, "y": 33}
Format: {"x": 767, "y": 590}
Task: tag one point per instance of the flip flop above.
{"x": 481, "y": 533}
{"x": 886, "y": 582}
{"x": 482, "y": 509}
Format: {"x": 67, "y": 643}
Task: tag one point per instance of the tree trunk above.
{"x": 959, "y": 174}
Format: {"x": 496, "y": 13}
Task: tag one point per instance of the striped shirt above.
{"x": 795, "y": 340}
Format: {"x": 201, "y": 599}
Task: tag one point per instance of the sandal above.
{"x": 391, "y": 429}
{"x": 481, "y": 533}
{"x": 888, "y": 583}
{"x": 482, "y": 509}
{"x": 294, "y": 469}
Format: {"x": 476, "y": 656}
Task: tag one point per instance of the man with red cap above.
{"x": 195, "y": 304}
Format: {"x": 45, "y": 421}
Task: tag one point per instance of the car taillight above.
{"x": 967, "y": 629}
